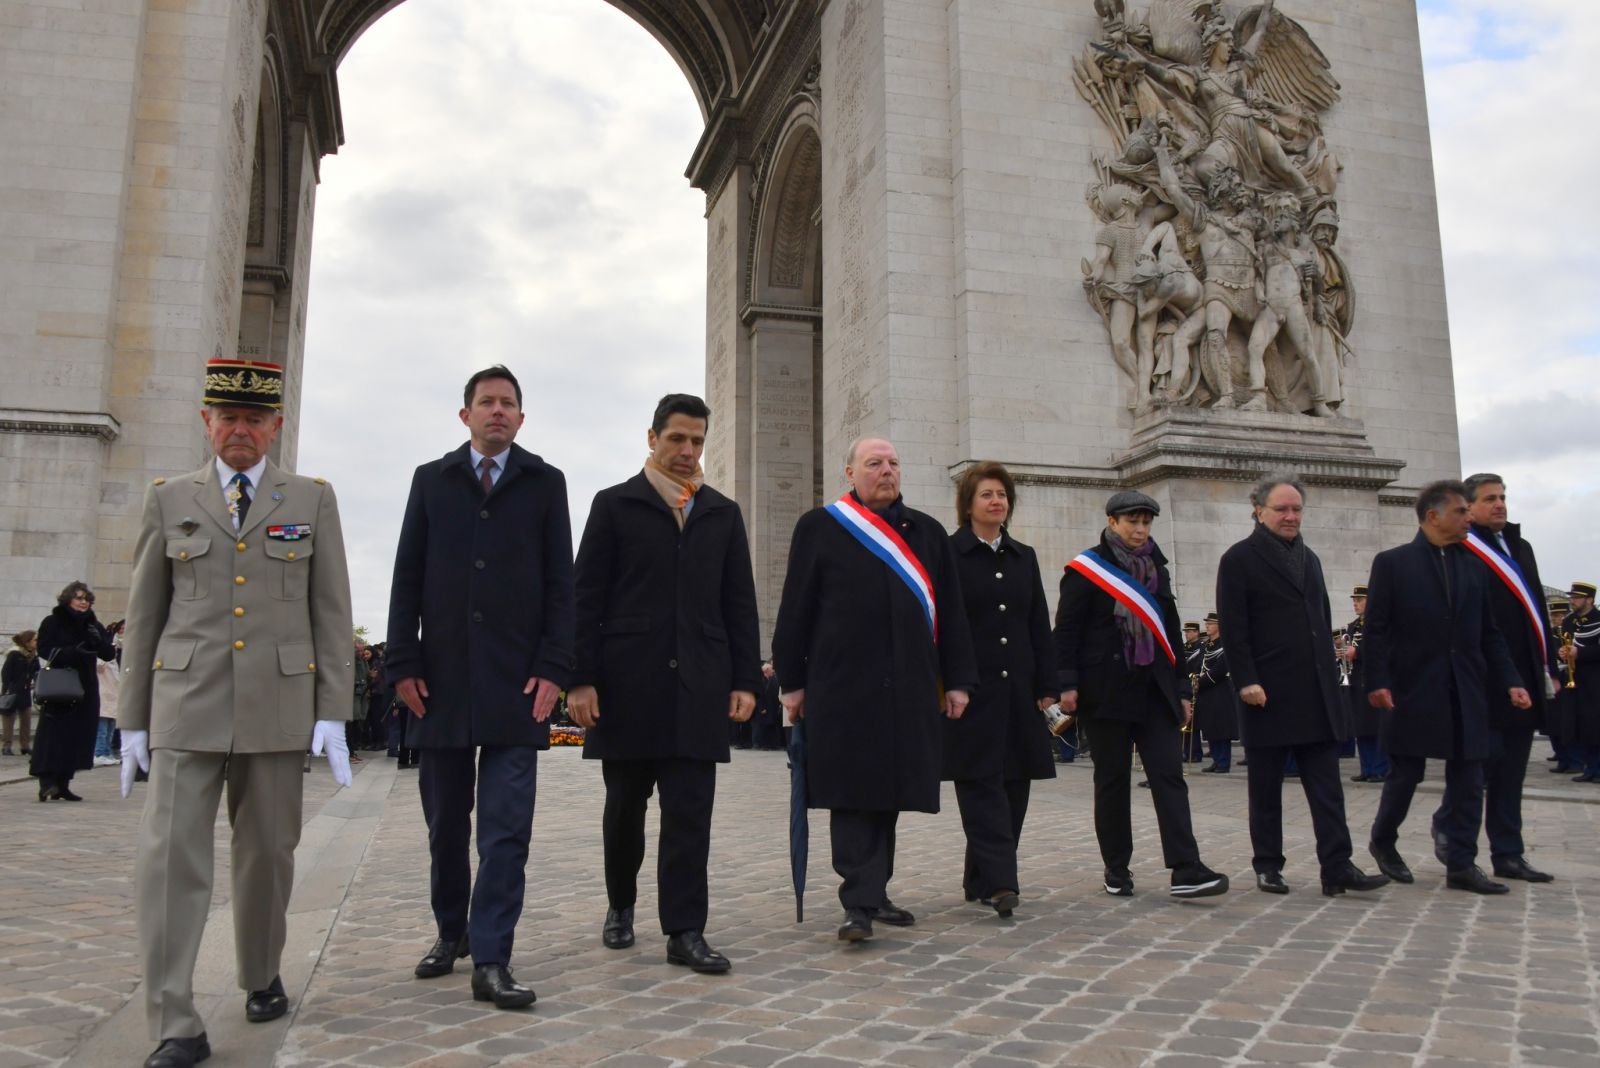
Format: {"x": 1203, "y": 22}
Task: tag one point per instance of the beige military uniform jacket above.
{"x": 237, "y": 642}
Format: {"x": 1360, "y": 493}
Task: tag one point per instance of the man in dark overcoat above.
{"x": 667, "y": 646}
{"x": 869, "y": 653}
{"x": 1581, "y": 665}
{"x": 1273, "y": 604}
{"x": 1510, "y": 728}
{"x": 1216, "y": 705}
{"x": 1433, "y": 655}
{"x": 480, "y": 644}
{"x": 767, "y": 723}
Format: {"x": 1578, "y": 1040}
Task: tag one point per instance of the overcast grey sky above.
{"x": 512, "y": 190}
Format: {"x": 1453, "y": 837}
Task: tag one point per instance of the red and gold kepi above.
{"x": 244, "y": 383}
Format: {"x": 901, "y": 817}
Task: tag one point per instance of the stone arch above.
{"x": 788, "y": 240}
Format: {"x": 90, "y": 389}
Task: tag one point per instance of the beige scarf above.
{"x": 675, "y": 490}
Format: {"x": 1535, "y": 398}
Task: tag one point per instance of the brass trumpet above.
{"x": 1570, "y": 645}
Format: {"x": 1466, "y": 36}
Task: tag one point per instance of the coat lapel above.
{"x": 1275, "y": 557}
{"x": 265, "y": 502}
{"x": 208, "y": 495}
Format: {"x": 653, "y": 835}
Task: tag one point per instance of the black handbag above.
{"x": 60, "y": 685}
{"x": 8, "y": 703}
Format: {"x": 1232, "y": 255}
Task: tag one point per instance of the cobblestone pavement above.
{"x": 1409, "y": 975}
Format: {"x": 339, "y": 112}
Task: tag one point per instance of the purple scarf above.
{"x": 1138, "y": 644}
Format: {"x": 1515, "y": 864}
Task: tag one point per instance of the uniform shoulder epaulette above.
{"x": 320, "y": 481}
{"x": 159, "y": 482}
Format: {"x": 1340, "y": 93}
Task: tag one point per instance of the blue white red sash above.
{"x": 1509, "y": 573}
{"x": 1127, "y": 591}
{"x": 881, "y": 540}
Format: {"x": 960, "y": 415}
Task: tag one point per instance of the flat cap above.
{"x": 1124, "y": 502}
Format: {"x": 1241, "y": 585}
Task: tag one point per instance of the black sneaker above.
{"x": 1119, "y": 883}
{"x": 1197, "y": 880}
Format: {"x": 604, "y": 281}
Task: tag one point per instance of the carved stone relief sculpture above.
{"x": 1214, "y": 267}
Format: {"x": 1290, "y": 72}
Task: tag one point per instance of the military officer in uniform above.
{"x": 237, "y": 659}
{"x": 1557, "y": 725}
{"x": 1581, "y": 663}
{"x": 1374, "y": 762}
{"x": 1216, "y": 706}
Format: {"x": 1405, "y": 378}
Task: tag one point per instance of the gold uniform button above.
{"x": 158, "y": 665}
{"x": 311, "y": 666}
{"x": 288, "y": 556}
{"x": 241, "y": 546}
{"x": 238, "y": 580}
{"x": 239, "y": 644}
{"x": 183, "y": 556}
{"x": 237, "y": 612}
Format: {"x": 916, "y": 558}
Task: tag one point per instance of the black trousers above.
{"x": 1458, "y": 821}
{"x": 1319, "y": 778}
{"x": 863, "y": 855}
{"x": 992, "y": 811}
{"x": 688, "y": 791}
{"x": 487, "y": 910}
{"x": 1503, "y": 774}
{"x": 1160, "y": 743}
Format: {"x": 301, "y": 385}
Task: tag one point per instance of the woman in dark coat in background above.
{"x": 1001, "y": 744}
{"x": 72, "y": 638}
{"x": 16, "y": 682}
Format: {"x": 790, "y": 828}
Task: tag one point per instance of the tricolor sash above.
{"x": 1126, "y": 591}
{"x": 881, "y": 540}
{"x": 1508, "y": 572}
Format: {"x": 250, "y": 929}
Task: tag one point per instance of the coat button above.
{"x": 311, "y": 666}
{"x": 238, "y": 645}
{"x": 999, "y": 574}
{"x": 241, "y": 546}
{"x": 477, "y": 617}
{"x": 1005, "y": 674}
{"x": 484, "y": 514}
{"x": 238, "y": 580}
{"x": 158, "y": 665}
{"x": 237, "y": 612}
{"x": 183, "y": 556}
{"x": 672, "y": 663}
{"x": 1002, "y": 608}
{"x": 288, "y": 556}
{"x": 1003, "y": 641}
{"x": 479, "y": 564}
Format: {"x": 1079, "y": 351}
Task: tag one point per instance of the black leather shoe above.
{"x": 689, "y": 949}
{"x": 441, "y": 959}
{"x": 1350, "y": 877}
{"x": 1390, "y": 864}
{"x": 857, "y": 926}
{"x": 179, "y": 1052}
{"x": 493, "y": 982}
{"x": 893, "y": 915}
{"x": 1271, "y": 882}
{"x": 1575, "y": 778}
{"x": 1472, "y": 879}
{"x": 1004, "y": 903}
{"x": 268, "y": 1004}
{"x": 618, "y": 930}
{"x": 1441, "y": 846}
{"x": 1212, "y": 769}
{"x": 1119, "y": 883}
{"x": 65, "y": 793}
{"x": 1562, "y": 769}
{"x": 1361, "y": 778}
{"x": 1517, "y": 868}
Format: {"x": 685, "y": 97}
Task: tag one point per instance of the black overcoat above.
{"x": 482, "y": 599}
{"x": 1364, "y": 719}
{"x": 1216, "y": 704}
{"x": 1089, "y": 655}
{"x": 1427, "y": 648}
{"x": 18, "y": 674}
{"x": 667, "y": 623}
{"x": 1003, "y": 733}
{"x": 1580, "y": 706}
{"x": 1512, "y": 619}
{"x": 63, "y": 741}
{"x": 855, "y": 638}
{"x": 1279, "y": 633}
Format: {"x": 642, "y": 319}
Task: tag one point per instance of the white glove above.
{"x": 135, "y": 753}
{"x": 329, "y": 736}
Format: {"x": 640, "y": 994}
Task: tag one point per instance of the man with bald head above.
{"x": 871, "y": 648}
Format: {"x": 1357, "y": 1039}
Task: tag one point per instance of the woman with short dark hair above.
{"x": 16, "y": 684}
{"x": 70, "y": 638}
{"x": 1000, "y": 745}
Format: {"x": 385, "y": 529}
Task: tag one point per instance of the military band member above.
{"x": 870, "y": 628}
{"x": 1273, "y": 603}
{"x": 1515, "y": 595}
{"x": 1434, "y": 655}
{"x": 238, "y": 657}
{"x": 1373, "y": 761}
{"x": 1216, "y": 705}
{"x": 1117, "y": 642}
{"x": 668, "y": 651}
{"x": 1558, "y": 710}
{"x": 1581, "y": 663}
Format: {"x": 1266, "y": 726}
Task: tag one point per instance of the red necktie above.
{"x": 486, "y": 475}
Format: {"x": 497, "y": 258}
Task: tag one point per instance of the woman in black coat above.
{"x": 1000, "y": 745}
{"x": 1117, "y": 676}
{"x": 70, "y": 637}
{"x": 16, "y": 682}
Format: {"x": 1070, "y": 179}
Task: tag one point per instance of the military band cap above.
{"x": 244, "y": 384}
{"x": 1358, "y": 591}
{"x": 1191, "y": 625}
{"x": 1581, "y": 589}
{"x": 1127, "y": 502}
{"x": 1560, "y": 606}
{"x": 1212, "y": 617}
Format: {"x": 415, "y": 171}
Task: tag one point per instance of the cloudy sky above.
{"x": 512, "y": 190}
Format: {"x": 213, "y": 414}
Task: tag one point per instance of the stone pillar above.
{"x": 727, "y": 458}
{"x": 782, "y": 453}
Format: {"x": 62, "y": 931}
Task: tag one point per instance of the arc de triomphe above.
{"x": 897, "y": 237}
